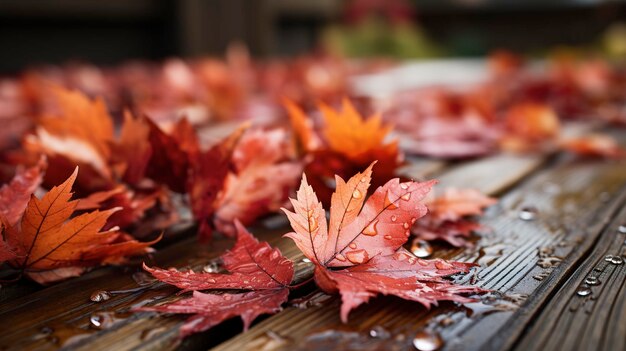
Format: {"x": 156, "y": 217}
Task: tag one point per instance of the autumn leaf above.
{"x": 529, "y": 125}
{"x": 260, "y": 272}
{"x": 594, "y": 145}
{"x": 80, "y": 135}
{"x": 455, "y": 204}
{"x": 14, "y": 196}
{"x": 132, "y": 151}
{"x": 171, "y": 158}
{"x": 448, "y": 216}
{"x": 48, "y": 239}
{"x": 359, "y": 252}
{"x": 348, "y": 144}
{"x": 207, "y": 174}
{"x": 452, "y": 138}
{"x": 264, "y": 174}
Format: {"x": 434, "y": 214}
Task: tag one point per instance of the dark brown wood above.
{"x": 587, "y": 312}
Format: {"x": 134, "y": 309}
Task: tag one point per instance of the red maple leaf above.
{"x": 14, "y": 196}
{"x": 447, "y": 218}
{"x": 359, "y": 252}
{"x": 264, "y": 174}
{"x": 261, "y": 273}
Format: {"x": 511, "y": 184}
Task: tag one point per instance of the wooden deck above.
{"x": 556, "y": 226}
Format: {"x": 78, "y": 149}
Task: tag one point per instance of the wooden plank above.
{"x": 586, "y": 313}
{"x": 516, "y": 257}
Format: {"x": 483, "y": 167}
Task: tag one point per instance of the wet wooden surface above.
{"x": 557, "y": 220}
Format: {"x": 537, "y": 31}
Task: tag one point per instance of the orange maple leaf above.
{"x": 48, "y": 238}
{"x": 349, "y": 143}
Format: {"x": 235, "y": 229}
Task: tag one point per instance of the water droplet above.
{"x": 379, "y": 332}
{"x": 340, "y": 257}
{"x": 584, "y": 291}
{"x": 407, "y": 233}
{"x": 228, "y": 297}
{"x": 356, "y": 194}
{"x": 421, "y": 248}
{"x": 394, "y": 218}
{"x": 211, "y": 267}
{"x": 357, "y": 256}
{"x": 427, "y": 341}
{"x": 352, "y": 245}
{"x": 406, "y": 197}
{"x": 617, "y": 260}
{"x": 306, "y": 260}
{"x": 212, "y": 281}
{"x": 406, "y": 225}
{"x": 592, "y": 281}
{"x": 404, "y": 186}
{"x": 608, "y": 258}
{"x": 388, "y": 237}
{"x": 96, "y": 320}
{"x": 363, "y": 180}
{"x": 100, "y": 296}
{"x": 371, "y": 229}
{"x": 622, "y": 229}
{"x": 388, "y": 204}
{"x": 528, "y": 213}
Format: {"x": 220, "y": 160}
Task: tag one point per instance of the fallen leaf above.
{"x": 49, "y": 238}
{"x": 14, "y": 196}
{"x": 359, "y": 253}
{"x": 594, "y": 145}
{"x": 529, "y": 126}
{"x": 448, "y": 214}
{"x": 262, "y": 273}
{"x": 348, "y": 144}
{"x": 264, "y": 174}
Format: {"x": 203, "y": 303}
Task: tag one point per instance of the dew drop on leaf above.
{"x": 357, "y": 256}
{"x": 357, "y": 194}
{"x": 406, "y": 197}
{"x": 371, "y": 229}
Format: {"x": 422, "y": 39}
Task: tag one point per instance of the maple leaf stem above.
{"x": 361, "y": 232}
{"x": 301, "y": 284}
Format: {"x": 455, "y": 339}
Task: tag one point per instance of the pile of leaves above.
{"x": 357, "y": 254}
